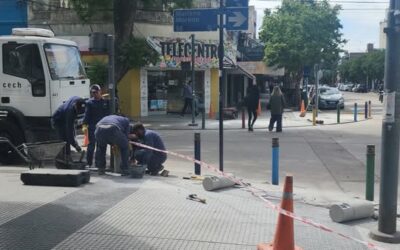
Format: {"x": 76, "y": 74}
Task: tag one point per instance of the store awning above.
{"x": 260, "y": 68}
{"x": 242, "y": 71}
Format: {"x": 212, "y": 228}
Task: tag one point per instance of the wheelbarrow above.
{"x": 36, "y": 153}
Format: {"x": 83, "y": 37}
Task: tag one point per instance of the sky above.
{"x": 359, "y": 18}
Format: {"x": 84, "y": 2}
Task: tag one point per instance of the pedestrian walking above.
{"x": 96, "y": 108}
{"x": 63, "y": 120}
{"x": 153, "y": 159}
{"x": 187, "y": 94}
{"x": 112, "y": 130}
{"x": 276, "y": 105}
{"x": 252, "y": 100}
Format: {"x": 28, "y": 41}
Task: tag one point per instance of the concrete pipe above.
{"x": 211, "y": 183}
{"x": 352, "y": 210}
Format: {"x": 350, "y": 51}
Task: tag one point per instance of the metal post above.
{"x": 111, "y": 72}
{"x": 197, "y": 153}
{"x": 369, "y": 109}
{"x": 338, "y": 113}
{"x": 275, "y": 161}
{"x": 370, "y": 177}
{"x": 387, "y": 231}
{"x": 243, "y": 119}
{"x": 355, "y": 112}
{"x": 221, "y": 85}
{"x": 193, "y": 85}
{"x": 366, "y": 110}
{"x": 203, "y": 118}
{"x": 314, "y": 116}
{"x": 316, "y": 69}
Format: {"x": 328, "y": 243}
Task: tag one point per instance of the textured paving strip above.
{"x": 45, "y": 227}
{"x": 158, "y": 216}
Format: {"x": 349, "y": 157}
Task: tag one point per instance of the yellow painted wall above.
{"x": 129, "y": 93}
{"x": 90, "y": 58}
{"x": 214, "y": 90}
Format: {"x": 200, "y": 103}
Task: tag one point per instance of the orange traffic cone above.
{"x": 211, "y": 113}
{"x": 302, "y": 109}
{"x": 85, "y": 139}
{"x": 284, "y": 234}
{"x": 259, "y": 109}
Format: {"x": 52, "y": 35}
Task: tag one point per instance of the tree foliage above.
{"x": 97, "y": 72}
{"x": 122, "y": 14}
{"x": 301, "y": 33}
{"x": 369, "y": 67}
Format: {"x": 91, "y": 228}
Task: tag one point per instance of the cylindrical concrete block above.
{"x": 211, "y": 183}
{"x": 352, "y": 210}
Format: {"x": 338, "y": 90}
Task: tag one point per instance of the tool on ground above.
{"x": 284, "y": 234}
{"x": 194, "y": 197}
{"x": 164, "y": 173}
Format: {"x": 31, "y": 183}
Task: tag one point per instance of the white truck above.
{"x": 37, "y": 74}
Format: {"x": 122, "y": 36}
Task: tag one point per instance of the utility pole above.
{"x": 111, "y": 74}
{"x": 193, "y": 85}
{"x": 387, "y": 231}
{"x": 221, "y": 84}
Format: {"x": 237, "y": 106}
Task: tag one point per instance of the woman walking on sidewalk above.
{"x": 276, "y": 105}
{"x": 252, "y": 99}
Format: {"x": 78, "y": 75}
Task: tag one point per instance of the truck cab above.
{"x": 37, "y": 74}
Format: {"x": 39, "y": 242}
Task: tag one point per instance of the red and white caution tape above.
{"x": 257, "y": 192}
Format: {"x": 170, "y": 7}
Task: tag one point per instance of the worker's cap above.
{"x": 95, "y": 87}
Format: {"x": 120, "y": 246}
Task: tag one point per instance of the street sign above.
{"x": 237, "y": 18}
{"x": 237, "y": 3}
{"x": 195, "y": 20}
{"x": 191, "y": 20}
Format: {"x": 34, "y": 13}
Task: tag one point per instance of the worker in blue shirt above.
{"x": 153, "y": 159}
{"x": 113, "y": 130}
{"x": 63, "y": 120}
{"x": 96, "y": 108}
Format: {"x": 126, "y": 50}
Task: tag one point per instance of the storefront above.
{"x": 160, "y": 86}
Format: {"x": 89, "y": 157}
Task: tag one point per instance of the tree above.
{"x": 301, "y": 33}
{"x": 122, "y": 13}
{"x": 365, "y": 69}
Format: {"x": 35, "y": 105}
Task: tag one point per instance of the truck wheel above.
{"x": 12, "y": 132}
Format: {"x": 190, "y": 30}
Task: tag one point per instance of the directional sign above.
{"x": 195, "y": 20}
{"x": 237, "y": 18}
{"x": 185, "y": 20}
{"x": 237, "y": 3}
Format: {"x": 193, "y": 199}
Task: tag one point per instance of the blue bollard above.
{"x": 275, "y": 161}
{"x": 355, "y": 112}
{"x": 197, "y": 167}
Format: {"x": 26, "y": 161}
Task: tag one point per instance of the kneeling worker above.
{"x": 113, "y": 130}
{"x": 153, "y": 159}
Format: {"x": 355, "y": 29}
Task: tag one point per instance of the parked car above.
{"x": 346, "y": 86}
{"x": 329, "y": 98}
{"x": 360, "y": 88}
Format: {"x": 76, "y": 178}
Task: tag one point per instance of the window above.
{"x": 64, "y": 62}
{"x": 24, "y": 61}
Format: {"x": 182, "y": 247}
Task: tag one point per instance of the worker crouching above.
{"x": 152, "y": 159}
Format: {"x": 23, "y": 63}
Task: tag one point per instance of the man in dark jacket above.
{"x": 96, "y": 108}
{"x": 252, "y": 101}
{"x": 113, "y": 130}
{"x": 188, "y": 98}
{"x": 63, "y": 120}
{"x": 153, "y": 159}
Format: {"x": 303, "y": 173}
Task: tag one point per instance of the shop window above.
{"x": 165, "y": 89}
{"x": 24, "y": 61}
